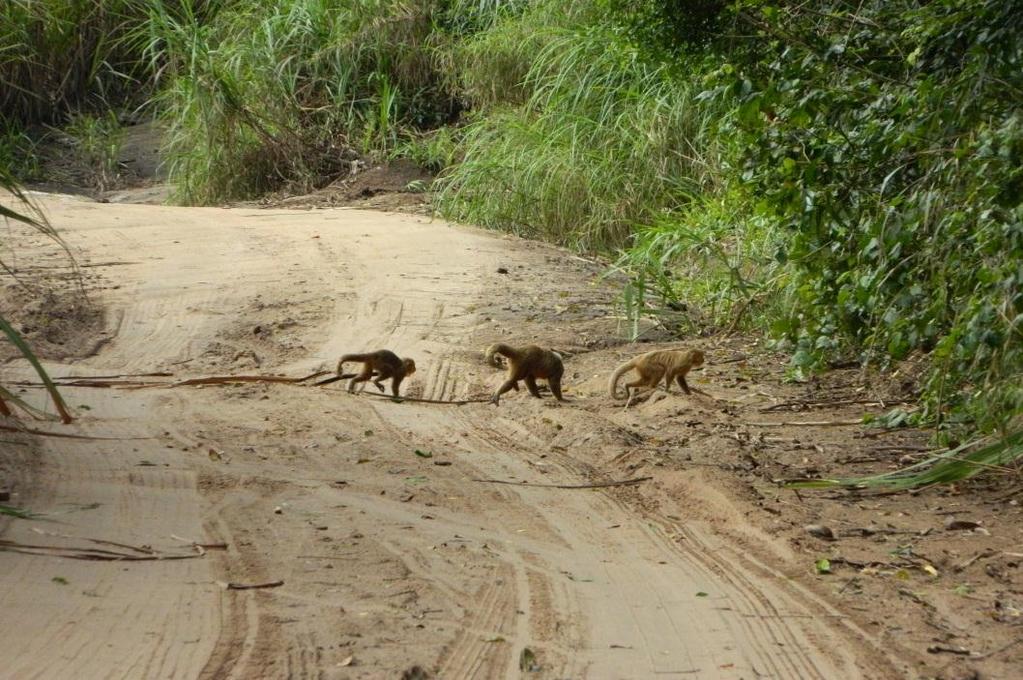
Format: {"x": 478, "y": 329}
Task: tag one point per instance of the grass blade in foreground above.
{"x": 7, "y": 398}
{"x": 16, "y": 512}
{"x": 950, "y": 466}
{"x": 26, "y": 351}
{"x": 43, "y": 226}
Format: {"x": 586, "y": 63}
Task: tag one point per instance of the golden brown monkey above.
{"x": 379, "y": 366}
{"x": 527, "y": 363}
{"x": 670, "y": 364}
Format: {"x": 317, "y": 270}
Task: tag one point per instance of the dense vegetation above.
{"x": 845, "y": 177}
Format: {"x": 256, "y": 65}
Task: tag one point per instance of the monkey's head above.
{"x": 410, "y": 366}
{"x": 697, "y": 357}
{"x": 491, "y": 357}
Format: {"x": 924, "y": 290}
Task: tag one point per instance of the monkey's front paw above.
{"x": 379, "y": 387}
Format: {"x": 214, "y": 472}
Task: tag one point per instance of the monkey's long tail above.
{"x": 499, "y": 348}
{"x": 345, "y": 358}
{"x": 612, "y": 384}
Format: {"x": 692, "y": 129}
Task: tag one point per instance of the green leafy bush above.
{"x": 888, "y": 143}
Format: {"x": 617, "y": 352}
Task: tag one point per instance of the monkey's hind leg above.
{"x": 646, "y": 379}
{"x": 532, "y": 387}
{"x": 555, "y": 385}
{"x": 365, "y": 375}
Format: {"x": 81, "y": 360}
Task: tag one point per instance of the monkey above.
{"x": 528, "y": 364}
{"x": 378, "y": 366}
{"x": 652, "y": 366}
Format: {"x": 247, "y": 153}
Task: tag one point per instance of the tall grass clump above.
{"x": 490, "y": 56}
{"x": 288, "y": 92}
{"x": 58, "y": 56}
{"x": 604, "y": 141}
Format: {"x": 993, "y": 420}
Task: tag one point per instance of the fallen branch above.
{"x": 96, "y": 382}
{"x": 601, "y": 485}
{"x": 810, "y": 423}
{"x": 65, "y": 435}
{"x": 881, "y": 431}
{"x": 252, "y": 586}
{"x": 741, "y": 357}
{"x": 95, "y": 554}
{"x": 112, "y": 381}
{"x": 983, "y": 554}
{"x": 915, "y": 598}
{"x": 825, "y": 404}
{"x": 143, "y": 549}
{"x": 200, "y": 546}
{"x": 335, "y": 378}
{"x": 157, "y": 374}
{"x": 457, "y": 402}
{"x": 228, "y": 379}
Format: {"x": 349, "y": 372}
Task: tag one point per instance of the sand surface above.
{"x": 389, "y": 559}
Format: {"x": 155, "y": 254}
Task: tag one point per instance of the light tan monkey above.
{"x": 527, "y": 363}
{"x": 669, "y": 364}
{"x": 378, "y": 366}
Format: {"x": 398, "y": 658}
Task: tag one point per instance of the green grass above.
{"x": 18, "y": 152}
{"x": 604, "y": 142}
{"x": 62, "y": 55}
{"x": 16, "y": 512}
{"x": 710, "y": 267}
{"x": 96, "y": 140}
{"x": 285, "y": 94}
{"x": 992, "y": 455}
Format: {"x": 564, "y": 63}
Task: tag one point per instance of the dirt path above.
{"x": 390, "y": 559}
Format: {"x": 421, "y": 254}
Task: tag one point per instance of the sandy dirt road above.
{"x": 390, "y": 559}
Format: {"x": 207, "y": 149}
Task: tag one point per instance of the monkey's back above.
{"x": 387, "y": 358}
{"x": 541, "y": 363}
{"x": 673, "y": 359}
{"x": 376, "y": 360}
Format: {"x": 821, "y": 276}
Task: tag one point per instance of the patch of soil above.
{"x": 43, "y": 296}
{"x": 397, "y": 186}
{"x": 141, "y": 177}
{"x": 138, "y": 178}
{"x": 58, "y": 324}
{"x": 275, "y": 337}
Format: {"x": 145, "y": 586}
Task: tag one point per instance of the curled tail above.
{"x": 499, "y": 348}
{"x": 612, "y": 384}
{"x": 345, "y": 358}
